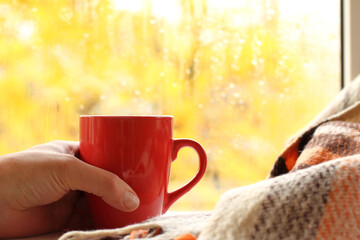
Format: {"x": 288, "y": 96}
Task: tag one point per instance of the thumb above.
{"x": 113, "y": 190}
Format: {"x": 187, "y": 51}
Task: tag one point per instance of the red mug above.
{"x": 139, "y": 149}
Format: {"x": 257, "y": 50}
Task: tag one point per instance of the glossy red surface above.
{"x": 139, "y": 149}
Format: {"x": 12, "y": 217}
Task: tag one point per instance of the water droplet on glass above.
{"x": 26, "y": 30}
{"x": 271, "y": 11}
{"x": 2, "y": 72}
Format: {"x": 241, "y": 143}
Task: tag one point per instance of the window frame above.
{"x": 349, "y": 37}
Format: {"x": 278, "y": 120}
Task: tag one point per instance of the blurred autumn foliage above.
{"x": 238, "y": 76}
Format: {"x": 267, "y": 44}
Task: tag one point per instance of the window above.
{"x": 238, "y": 76}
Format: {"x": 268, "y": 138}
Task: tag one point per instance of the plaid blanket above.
{"x": 319, "y": 202}
{"x": 312, "y": 191}
{"x": 325, "y": 142}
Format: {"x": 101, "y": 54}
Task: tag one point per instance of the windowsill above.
{"x": 55, "y": 236}
{"x": 50, "y": 236}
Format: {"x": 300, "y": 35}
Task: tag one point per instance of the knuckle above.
{"x": 55, "y": 142}
{"x": 112, "y": 181}
{"x": 62, "y": 146}
{"x": 58, "y": 146}
{"x": 67, "y": 169}
{"x": 70, "y": 161}
{"x": 66, "y": 165}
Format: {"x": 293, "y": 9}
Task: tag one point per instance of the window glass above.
{"x": 238, "y": 76}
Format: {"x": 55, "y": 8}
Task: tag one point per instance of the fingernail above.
{"x": 131, "y": 201}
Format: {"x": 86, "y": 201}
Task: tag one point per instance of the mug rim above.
{"x": 126, "y": 116}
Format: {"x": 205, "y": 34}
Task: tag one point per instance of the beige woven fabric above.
{"x": 321, "y": 202}
{"x": 172, "y": 225}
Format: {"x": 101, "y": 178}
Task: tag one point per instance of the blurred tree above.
{"x": 239, "y": 76}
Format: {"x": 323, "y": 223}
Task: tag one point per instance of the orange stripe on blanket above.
{"x": 313, "y": 156}
{"x": 186, "y": 236}
{"x": 355, "y": 179}
{"x": 291, "y": 154}
{"x": 138, "y": 233}
{"x": 342, "y": 212}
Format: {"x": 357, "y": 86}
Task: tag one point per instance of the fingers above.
{"x": 70, "y": 147}
{"x": 77, "y": 175}
{"x": 108, "y": 186}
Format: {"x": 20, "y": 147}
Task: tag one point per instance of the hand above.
{"x": 38, "y": 189}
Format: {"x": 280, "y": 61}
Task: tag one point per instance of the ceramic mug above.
{"x": 140, "y": 150}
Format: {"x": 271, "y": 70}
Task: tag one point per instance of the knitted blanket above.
{"x": 312, "y": 191}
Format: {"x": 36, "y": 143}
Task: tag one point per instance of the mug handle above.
{"x": 170, "y": 198}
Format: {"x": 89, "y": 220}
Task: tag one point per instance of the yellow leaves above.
{"x": 234, "y": 80}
